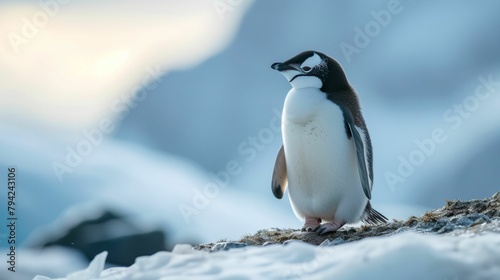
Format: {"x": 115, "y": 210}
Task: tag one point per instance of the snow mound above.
{"x": 407, "y": 255}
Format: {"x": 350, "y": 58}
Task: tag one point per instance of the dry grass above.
{"x": 429, "y": 222}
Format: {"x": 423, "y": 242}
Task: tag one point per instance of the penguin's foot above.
{"x": 329, "y": 227}
{"x": 311, "y": 224}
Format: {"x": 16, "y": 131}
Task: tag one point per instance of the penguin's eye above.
{"x": 306, "y": 68}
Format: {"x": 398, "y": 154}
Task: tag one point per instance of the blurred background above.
{"x": 134, "y": 126}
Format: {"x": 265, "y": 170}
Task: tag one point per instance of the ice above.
{"x": 93, "y": 271}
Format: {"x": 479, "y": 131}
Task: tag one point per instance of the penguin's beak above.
{"x": 280, "y": 66}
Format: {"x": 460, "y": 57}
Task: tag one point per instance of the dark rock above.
{"x": 110, "y": 232}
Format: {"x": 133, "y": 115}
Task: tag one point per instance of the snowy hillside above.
{"x": 459, "y": 241}
{"x": 402, "y": 256}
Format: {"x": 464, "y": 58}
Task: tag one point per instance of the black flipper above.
{"x": 360, "y": 154}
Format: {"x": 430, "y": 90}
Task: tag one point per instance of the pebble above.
{"x": 336, "y": 241}
{"x": 224, "y": 246}
{"x": 440, "y": 224}
{"x": 447, "y": 228}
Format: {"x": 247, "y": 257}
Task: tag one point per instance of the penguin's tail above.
{"x": 372, "y": 216}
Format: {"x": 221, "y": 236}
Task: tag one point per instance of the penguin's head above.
{"x": 314, "y": 70}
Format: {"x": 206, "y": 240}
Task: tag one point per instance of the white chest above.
{"x": 321, "y": 164}
{"x": 314, "y": 134}
{"x": 303, "y": 105}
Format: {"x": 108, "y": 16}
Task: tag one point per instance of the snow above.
{"x": 91, "y": 272}
{"x": 50, "y": 261}
{"x": 403, "y": 256}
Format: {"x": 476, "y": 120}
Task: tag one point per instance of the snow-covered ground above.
{"x": 402, "y": 256}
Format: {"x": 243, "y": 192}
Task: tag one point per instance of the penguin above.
{"x": 326, "y": 159}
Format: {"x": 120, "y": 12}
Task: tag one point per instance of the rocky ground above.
{"x": 455, "y": 218}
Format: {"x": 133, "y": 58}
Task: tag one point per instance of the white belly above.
{"x": 323, "y": 178}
